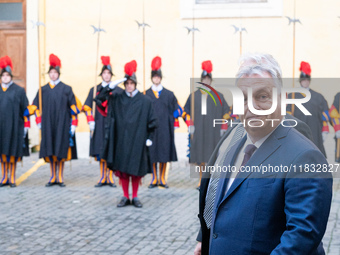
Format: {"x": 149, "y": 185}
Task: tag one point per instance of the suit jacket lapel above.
{"x": 231, "y": 157}
{"x": 261, "y": 154}
{"x": 206, "y": 176}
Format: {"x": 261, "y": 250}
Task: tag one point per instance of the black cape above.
{"x": 205, "y": 137}
{"x": 97, "y": 139}
{"x": 316, "y": 106}
{"x": 163, "y": 144}
{"x": 13, "y": 103}
{"x": 130, "y": 122}
{"x": 336, "y": 104}
{"x": 56, "y": 121}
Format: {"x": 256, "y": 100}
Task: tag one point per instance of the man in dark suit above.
{"x": 252, "y": 215}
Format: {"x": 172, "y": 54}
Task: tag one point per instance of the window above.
{"x": 230, "y": 8}
{"x": 11, "y": 12}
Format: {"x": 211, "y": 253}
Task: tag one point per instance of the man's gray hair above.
{"x": 258, "y": 63}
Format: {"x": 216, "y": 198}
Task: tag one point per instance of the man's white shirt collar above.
{"x": 104, "y": 84}
{"x": 55, "y": 83}
{"x": 262, "y": 140}
{"x": 157, "y": 88}
{"x": 133, "y": 93}
{"x": 241, "y": 154}
{"x": 6, "y": 85}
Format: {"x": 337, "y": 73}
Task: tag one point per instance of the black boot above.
{"x": 124, "y": 202}
{"x": 151, "y": 186}
{"x": 3, "y": 184}
{"x": 136, "y": 202}
{"x": 49, "y": 184}
{"x": 164, "y": 186}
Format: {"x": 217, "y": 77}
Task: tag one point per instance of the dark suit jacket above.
{"x": 252, "y": 217}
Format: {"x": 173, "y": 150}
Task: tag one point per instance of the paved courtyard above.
{"x": 80, "y": 219}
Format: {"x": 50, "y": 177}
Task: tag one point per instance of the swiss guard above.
{"x": 317, "y": 106}
{"x": 167, "y": 111}
{"x": 131, "y": 124}
{"x": 335, "y": 116}
{"x": 97, "y": 123}
{"x": 58, "y": 121}
{"x": 205, "y": 135}
{"x": 14, "y": 120}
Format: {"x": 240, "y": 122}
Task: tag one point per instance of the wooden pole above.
{"x": 241, "y": 42}
{"x": 96, "y": 70}
{"x": 39, "y": 63}
{"x": 44, "y": 52}
{"x": 192, "y": 110}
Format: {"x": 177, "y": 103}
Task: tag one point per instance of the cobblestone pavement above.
{"x": 80, "y": 219}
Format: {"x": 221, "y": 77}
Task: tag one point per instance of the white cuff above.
{"x": 92, "y": 125}
{"x": 73, "y": 129}
{"x": 337, "y": 134}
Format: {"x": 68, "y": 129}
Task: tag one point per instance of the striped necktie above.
{"x": 215, "y": 177}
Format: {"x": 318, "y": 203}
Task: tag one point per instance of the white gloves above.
{"x": 191, "y": 129}
{"x": 113, "y": 84}
{"x": 39, "y": 125}
{"x": 25, "y": 131}
{"x": 324, "y": 136}
{"x": 337, "y": 134}
{"x": 92, "y": 125}
{"x": 73, "y": 130}
{"x": 148, "y": 142}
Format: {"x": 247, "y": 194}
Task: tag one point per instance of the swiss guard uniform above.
{"x": 14, "y": 124}
{"x": 131, "y": 124}
{"x": 97, "y": 126}
{"x": 335, "y": 116}
{"x": 167, "y": 111}
{"x": 58, "y": 122}
{"x": 317, "y": 106}
{"x": 205, "y": 136}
